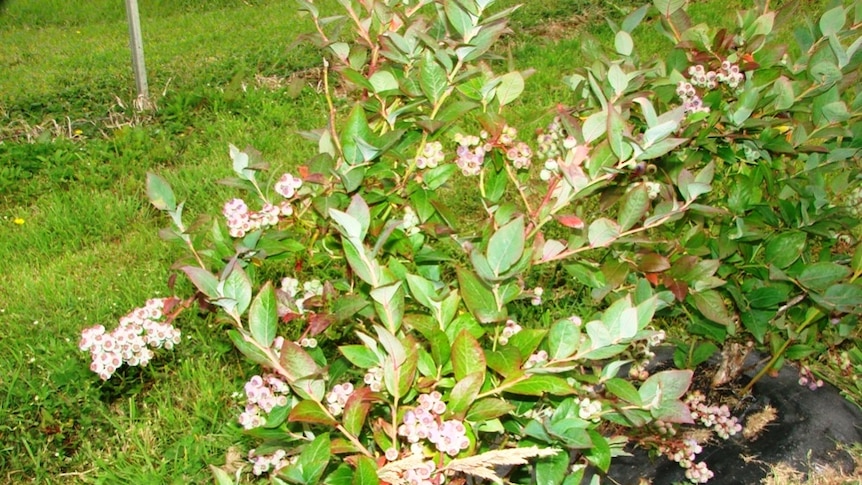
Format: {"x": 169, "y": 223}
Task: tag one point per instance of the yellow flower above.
{"x": 18, "y": 221}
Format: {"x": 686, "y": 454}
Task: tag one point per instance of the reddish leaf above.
{"x": 308, "y": 411}
{"x": 678, "y": 288}
{"x": 571, "y": 221}
{"x": 356, "y": 410}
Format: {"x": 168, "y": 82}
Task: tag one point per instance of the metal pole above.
{"x": 136, "y": 45}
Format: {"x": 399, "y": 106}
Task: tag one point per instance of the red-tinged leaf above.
{"x": 356, "y": 410}
{"x": 318, "y": 322}
{"x": 467, "y": 356}
{"x": 711, "y": 305}
{"x": 465, "y": 392}
{"x": 309, "y": 411}
{"x": 571, "y": 221}
{"x": 297, "y": 361}
{"x": 653, "y": 263}
{"x": 538, "y": 385}
{"x": 487, "y": 409}
{"x": 341, "y": 446}
{"x": 652, "y": 278}
{"x": 677, "y": 287}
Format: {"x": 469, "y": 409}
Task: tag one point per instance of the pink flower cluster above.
{"x": 337, "y": 398}
{"x": 432, "y": 155}
{"x": 131, "y": 342}
{"x": 684, "y": 452}
{"x": 423, "y": 423}
{"x": 241, "y": 220}
{"x": 471, "y": 154}
{"x": 264, "y": 463}
{"x": 509, "y": 330}
{"x": 716, "y": 417}
{"x": 263, "y": 394}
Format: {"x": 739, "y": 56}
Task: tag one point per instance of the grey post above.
{"x": 136, "y": 45}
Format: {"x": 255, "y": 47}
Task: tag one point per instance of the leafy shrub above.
{"x": 411, "y": 362}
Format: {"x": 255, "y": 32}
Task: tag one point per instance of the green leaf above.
{"x": 617, "y": 78}
{"x": 785, "y": 248}
{"x": 465, "y": 391}
{"x": 479, "y": 298}
{"x": 366, "y": 472}
{"x": 634, "y": 19}
{"x": 389, "y": 304}
{"x": 423, "y": 291}
{"x": 506, "y": 246}
{"x": 360, "y": 356}
{"x": 467, "y": 356}
{"x": 856, "y": 263}
{"x": 845, "y": 298}
{"x": 563, "y": 339}
{"x": 667, "y": 7}
{"x": 552, "y": 470}
{"x": 488, "y": 408}
{"x": 624, "y": 390}
{"x": 712, "y": 306}
{"x": 635, "y": 205}
{"x": 382, "y": 81}
{"x": 832, "y": 21}
{"x": 768, "y": 297}
{"x": 539, "y": 384}
{"x": 460, "y": 20}
{"x": 237, "y": 287}
{"x": 511, "y": 86}
{"x": 160, "y": 193}
{"x": 355, "y": 132}
{"x": 221, "y": 476}
{"x": 314, "y": 459}
{"x": 432, "y": 78}
{"x": 248, "y": 349}
{"x": 308, "y": 411}
{"x": 623, "y": 43}
{"x": 203, "y": 280}
{"x": 822, "y": 275}
{"x": 603, "y": 232}
{"x": 600, "y": 453}
{"x": 263, "y": 316}
{"x": 616, "y": 134}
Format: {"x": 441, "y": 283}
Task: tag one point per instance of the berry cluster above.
{"x": 337, "y": 398}
{"x": 808, "y": 379}
{"x": 421, "y": 475}
{"x": 410, "y": 222}
{"x": 716, "y": 417}
{"x": 263, "y": 393}
{"x": 537, "y": 359}
{"x": 589, "y": 410}
{"x": 509, "y": 330}
{"x": 728, "y": 74}
{"x": 684, "y": 452}
{"x": 517, "y": 152}
{"x": 143, "y": 329}
{"x": 309, "y": 289}
{"x": 374, "y": 379}
{"x": 287, "y": 185}
{"x": 264, "y": 463}
{"x": 554, "y": 146}
{"x": 423, "y": 423}
{"x": 471, "y": 154}
{"x": 431, "y": 156}
{"x": 241, "y": 220}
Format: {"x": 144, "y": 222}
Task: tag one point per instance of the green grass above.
{"x": 88, "y": 252}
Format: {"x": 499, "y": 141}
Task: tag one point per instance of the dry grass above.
{"x": 784, "y": 474}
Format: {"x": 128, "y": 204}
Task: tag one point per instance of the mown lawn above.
{"x": 79, "y": 241}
